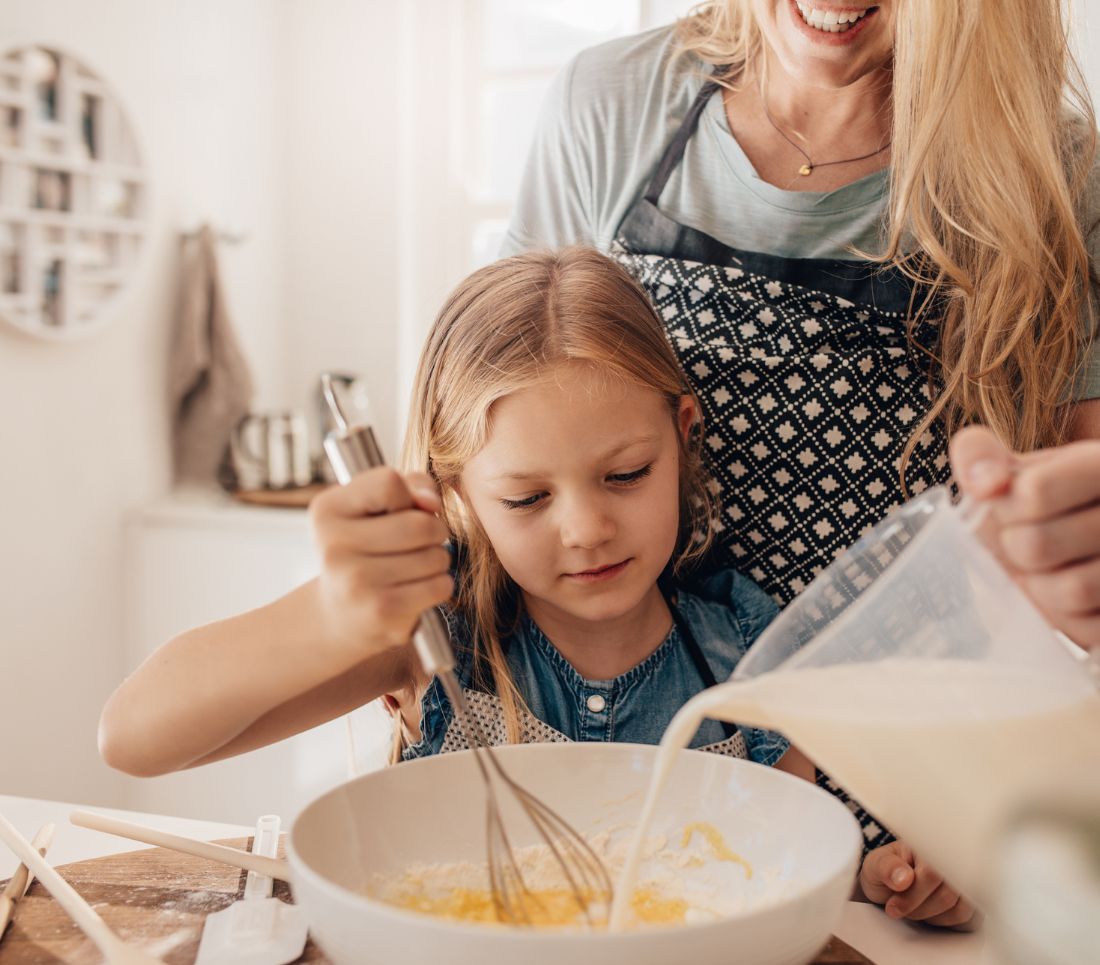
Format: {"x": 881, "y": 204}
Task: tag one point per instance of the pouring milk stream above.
{"x": 917, "y": 675}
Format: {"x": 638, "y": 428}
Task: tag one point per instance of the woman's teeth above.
{"x": 831, "y": 21}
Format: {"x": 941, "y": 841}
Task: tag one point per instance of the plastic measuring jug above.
{"x": 920, "y": 677}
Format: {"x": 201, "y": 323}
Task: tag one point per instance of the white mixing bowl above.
{"x": 804, "y": 846}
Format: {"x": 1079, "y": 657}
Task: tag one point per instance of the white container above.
{"x": 803, "y": 843}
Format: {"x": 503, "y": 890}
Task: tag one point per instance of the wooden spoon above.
{"x": 114, "y": 949}
{"x": 271, "y": 867}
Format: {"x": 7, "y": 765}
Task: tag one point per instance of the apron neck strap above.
{"x": 674, "y": 151}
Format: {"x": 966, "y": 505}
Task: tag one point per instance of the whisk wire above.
{"x": 580, "y": 865}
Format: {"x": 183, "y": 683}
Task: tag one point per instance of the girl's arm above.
{"x": 325, "y": 648}
{"x": 796, "y": 763}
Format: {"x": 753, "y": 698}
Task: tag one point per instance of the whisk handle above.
{"x": 350, "y": 451}
{"x": 432, "y": 643}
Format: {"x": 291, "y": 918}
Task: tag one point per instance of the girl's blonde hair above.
{"x": 993, "y": 140}
{"x": 507, "y": 326}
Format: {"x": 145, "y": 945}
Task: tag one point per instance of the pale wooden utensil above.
{"x": 114, "y": 949}
{"x": 20, "y": 881}
{"x": 272, "y": 867}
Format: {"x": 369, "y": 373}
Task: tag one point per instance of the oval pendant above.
{"x": 805, "y": 169}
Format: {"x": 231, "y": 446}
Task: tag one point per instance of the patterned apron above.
{"x": 810, "y": 382}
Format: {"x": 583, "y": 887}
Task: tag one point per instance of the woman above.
{"x": 862, "y": 237}
{"x": 865, "y": 227}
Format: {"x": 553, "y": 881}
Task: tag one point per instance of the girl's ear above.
{"x": 687, "y": 416}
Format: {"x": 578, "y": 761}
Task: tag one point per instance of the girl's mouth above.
{"x": 599, "y": 573}
{"x": 822, "y": 21}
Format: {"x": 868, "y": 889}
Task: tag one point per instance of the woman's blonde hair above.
{"x": 993, "y": 141}
{"x": 507, "y": 326}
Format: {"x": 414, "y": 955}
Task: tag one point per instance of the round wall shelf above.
{"x": 73, "y": 195}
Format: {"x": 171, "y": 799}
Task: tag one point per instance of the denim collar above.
{"x": 649, "y": 665}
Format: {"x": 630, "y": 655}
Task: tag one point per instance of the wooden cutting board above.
{"x": 158, "y": 899}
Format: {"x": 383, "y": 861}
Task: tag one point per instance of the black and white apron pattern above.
{"x": 810, "y": 383}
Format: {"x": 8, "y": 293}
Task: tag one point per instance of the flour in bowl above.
{"x": 687, "y": 876}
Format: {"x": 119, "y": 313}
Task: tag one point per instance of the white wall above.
{"x": 1085, "y": 30}
{"x": 341, "y": 145}
{"x": 83, "y": 434}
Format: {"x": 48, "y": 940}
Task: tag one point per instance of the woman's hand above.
{"x": 892, "y": 876}
{"x": 1046, "y": 506}
{"x": 383, "y": 559}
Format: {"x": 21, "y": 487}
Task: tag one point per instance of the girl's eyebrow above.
{"x": 611, "y": 453}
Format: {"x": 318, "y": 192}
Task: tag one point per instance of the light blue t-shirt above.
{"x": 603, "y": 128}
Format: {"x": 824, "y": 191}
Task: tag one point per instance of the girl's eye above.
{"x": 627, "y": 478}
{"x": 521, "y": 503}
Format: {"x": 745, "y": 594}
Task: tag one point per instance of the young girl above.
{"x": 553, "y": 441}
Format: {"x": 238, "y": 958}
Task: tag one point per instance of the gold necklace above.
{"x": 808, "y": 168}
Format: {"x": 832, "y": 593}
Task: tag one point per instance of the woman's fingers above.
{"x": 1045, "y": 522}
{"x": 980, "y": 463}
{"x": 1054, "y": 543}
{"x": 1072, "y": 592}
{"x": 1053, "y": 482}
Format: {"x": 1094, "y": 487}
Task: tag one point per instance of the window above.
{"x": 514, "y": 50}
{"x": 478, "y": 71}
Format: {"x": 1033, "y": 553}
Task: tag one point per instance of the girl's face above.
{"x": 815, "y": 49}
{"x": 577, "y": 489}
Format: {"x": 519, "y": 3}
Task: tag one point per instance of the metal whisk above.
{"x": 351, "y": 449}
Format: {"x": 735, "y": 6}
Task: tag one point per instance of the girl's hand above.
{"x": 892, "y": 876}
{"x": 1046, "y": 506}
{"x": 383, "y": 561}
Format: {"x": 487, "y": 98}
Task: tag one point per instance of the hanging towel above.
{"x": 209, "y": 381}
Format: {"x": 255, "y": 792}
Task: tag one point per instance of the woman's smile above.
{"x": 830, "y": 25}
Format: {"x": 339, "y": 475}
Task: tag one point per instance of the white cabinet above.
{"x": 202, "y": 557}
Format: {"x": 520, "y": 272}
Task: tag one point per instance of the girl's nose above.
{"x": 583, "y": 527}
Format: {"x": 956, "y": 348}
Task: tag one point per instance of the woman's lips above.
{"x": 823, "y": 37}
{"x": 599, "y": 573}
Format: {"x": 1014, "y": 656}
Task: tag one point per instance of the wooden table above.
{"x": 159, "y": 899}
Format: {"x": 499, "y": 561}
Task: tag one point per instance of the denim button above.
{"x": 596, "y": 703}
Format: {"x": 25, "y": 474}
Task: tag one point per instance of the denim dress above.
{"x": 716, "y": 620}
